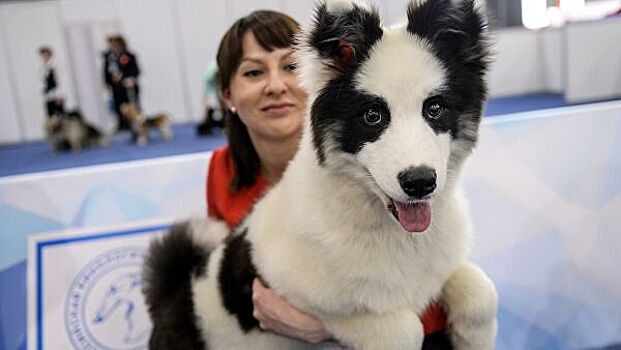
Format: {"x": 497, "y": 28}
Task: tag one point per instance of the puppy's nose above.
{"x": 417, "y": 182}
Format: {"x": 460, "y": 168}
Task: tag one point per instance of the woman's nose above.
{"x": 276, "y": 83}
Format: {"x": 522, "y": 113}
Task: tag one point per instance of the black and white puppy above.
{"x": 368, "y": 224}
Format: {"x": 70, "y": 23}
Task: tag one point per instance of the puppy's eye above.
{"x": 434, "y": 110}
{"x": 373, "y": 116}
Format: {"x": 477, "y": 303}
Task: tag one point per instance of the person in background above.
{"x": 212, "y": 115}
{"x": 110, "y": 73}
{"x": 264, "y": 108}
{"x": 121, "y": 73}
{"x": 52, "y": 92}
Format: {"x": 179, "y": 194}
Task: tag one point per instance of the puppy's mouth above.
{"x": 412, "y": 216}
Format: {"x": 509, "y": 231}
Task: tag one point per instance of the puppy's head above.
{"x": 396, "y": 107}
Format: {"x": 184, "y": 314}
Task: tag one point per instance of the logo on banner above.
{"x": 105, "y": 308}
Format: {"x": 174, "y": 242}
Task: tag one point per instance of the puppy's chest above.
{"x": 341, "y": 279}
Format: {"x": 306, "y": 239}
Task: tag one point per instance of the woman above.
{"x": 121, "y": 73}
{"x": 264, "y": 110}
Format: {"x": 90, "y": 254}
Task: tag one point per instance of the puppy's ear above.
{"x": 456, "y": 29}
{"x": 343, "y": 32}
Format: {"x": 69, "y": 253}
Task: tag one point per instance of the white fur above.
{"x": 335, "y": 6}
{"x": 216, "y": 228}
{"x": 323, "y": 238}
{"x": 409, "y": 141}
{"x": 417, "y": 3}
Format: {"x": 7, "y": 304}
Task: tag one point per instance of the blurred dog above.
{"x": 70, "y": 132}
{"x": 141, "y": 125}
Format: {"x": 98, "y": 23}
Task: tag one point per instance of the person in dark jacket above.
{"x": 121, "y": 73}
{"x": 52, "y": 92}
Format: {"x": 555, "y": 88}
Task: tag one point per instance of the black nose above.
{"x": 417, "y": 182}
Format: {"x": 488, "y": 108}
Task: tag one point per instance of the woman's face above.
{"x": 265, "y": 92}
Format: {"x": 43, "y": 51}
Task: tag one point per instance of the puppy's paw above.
{"x": 471, "y": 303}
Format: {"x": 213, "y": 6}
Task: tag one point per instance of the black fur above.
{"x": 338, "y": 114}
{"x": 437, "y": 341}
{"x": 448, "y": 121}
{"x": 358, "y": 27}
{"x": 339, "y": 107}
{"x": 456, "y": 32}
{"x": 92, "y": 132}
{"x": 170, "y": 265}
{"x": 236, "y": 275}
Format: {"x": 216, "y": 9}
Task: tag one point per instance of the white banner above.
{"x": 85, "y": 288}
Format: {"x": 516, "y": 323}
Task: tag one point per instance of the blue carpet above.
{"x": 523, "y": 103}
{"x": 528, "y": 102}
{"x": 36, "y": 156}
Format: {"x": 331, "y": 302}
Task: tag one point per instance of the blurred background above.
{"x": 175, "y": 40}
{"x": 544, "y": 183}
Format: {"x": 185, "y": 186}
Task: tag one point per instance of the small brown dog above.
{"x": 141, "y": 125}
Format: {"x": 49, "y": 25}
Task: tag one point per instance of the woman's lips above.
{"x": 278, "y": 109}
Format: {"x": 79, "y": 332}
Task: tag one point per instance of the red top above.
{"x": 221, "y": 203}
{"x": 224, "y": 205}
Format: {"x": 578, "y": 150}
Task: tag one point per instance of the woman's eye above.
{"x": 292, "y": 67}
{"x": 372, "y": 116}
{"x": 435, "y": 110}
{"x": 252, "y": 73}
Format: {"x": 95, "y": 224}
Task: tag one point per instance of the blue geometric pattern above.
{"x": 545, "y": 194}
{"x": 17, "y": 224}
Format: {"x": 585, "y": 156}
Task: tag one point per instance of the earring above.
{"x": 232, "y": 110}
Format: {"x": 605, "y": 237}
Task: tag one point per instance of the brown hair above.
{"x": 120, "y": 40}
{"x": 272, "y": 30}
{"x": 45, "y": 50}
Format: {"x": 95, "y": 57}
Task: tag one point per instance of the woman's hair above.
{"x": 120, "y": 40}
{"x": 45, "y": 50}
{"x": 271, "y": 30}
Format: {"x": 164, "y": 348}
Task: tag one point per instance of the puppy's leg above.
{"x": 471, "y": 304}
{"x": 75, "y": 145}
{"x": 167, "y": 134}
{"x": 397, "y": 330}
{"x": 141, "y": 136}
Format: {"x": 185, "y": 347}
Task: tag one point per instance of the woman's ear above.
{"x": 225, "y": 94}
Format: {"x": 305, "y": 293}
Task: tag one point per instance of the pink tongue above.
{"x": 414, "y": 217}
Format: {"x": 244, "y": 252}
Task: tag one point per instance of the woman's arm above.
{"x": 275, "y": 314}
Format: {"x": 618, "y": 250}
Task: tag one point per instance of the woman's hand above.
{"x": 275, "y": 314}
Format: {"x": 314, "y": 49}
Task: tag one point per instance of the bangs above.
{"x": 273, "y": 32}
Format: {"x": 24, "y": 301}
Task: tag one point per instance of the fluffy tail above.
{"x": 171, "y": 263}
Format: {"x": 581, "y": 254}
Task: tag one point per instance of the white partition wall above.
{"x": 239, "y": 8}
{"x": 26, "y": 27}
{"x": 86, "y": 25}
{"x": 151, "y": 33}
{"x": 517, "y": 60}
{"x": 10, "y": 126}
{"x": 301, "y": 10}
{"x": 593, "y": 60}
{"x": 552, "y": 63}
{"x": 201, "y": 25}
